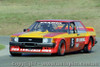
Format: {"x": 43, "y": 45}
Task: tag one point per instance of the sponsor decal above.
{"x": 52, "y": 34}
{"x": 80, "y": 39}
{"x": 72, "y": 42}
{"x": 46, "y": 50}
{"x": 17, "y": 34}
{"x": 32, "y": 50}
{"x": 52, "y": 22}
{"x": 15, "y": 49}
{"x": 77, "y": 44}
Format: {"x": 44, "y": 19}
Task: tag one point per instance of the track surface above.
{"x": 31, "y": 60}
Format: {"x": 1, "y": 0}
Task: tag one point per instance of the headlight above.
{"x": 47, "y": 40}
{"x": 14, "y": 39}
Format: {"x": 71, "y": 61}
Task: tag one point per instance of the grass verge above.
{"x": 15, "y": 15}
{"x": 2, "y": 47}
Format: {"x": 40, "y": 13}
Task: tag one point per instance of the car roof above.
{"x": 57, "y": 20}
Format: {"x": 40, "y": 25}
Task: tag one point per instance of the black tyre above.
{"x": 88, "y": 47}
{"x": 15, "y": 54}
{"x": 62, "y": 48}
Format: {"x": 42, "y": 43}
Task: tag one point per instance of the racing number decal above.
{"x": 72, "y": 42}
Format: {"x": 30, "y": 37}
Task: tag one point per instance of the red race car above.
{"x": 54, "y": 37}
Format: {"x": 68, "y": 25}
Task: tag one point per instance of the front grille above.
{"x": 31, "y": 47}
{"x": 37, "y": 40}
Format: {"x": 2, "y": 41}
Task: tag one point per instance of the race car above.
{"x": 53, "y": 37}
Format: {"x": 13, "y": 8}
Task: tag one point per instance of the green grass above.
{"x": 15, "y": 15}
{"x": 2, "y": 47}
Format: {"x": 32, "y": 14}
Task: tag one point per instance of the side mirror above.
{"x": 24, "y": 30}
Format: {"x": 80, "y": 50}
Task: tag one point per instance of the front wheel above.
{"x": 88, "y": 47}
{"x": 15, "y": 54}
{"x": 61, "y": 49}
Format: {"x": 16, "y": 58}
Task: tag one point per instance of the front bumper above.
{"x": 23, "y": 47}
{"x": 32, "y": 44}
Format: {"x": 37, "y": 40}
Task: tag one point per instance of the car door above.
{"x": 73, "y": 34}
{"x": 78, "y": 32}
{"x": 81, "y": 33}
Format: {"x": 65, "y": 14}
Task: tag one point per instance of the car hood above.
{"x": 38, "y": 34}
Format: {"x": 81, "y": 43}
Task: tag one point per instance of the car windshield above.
{"x": 49, "y": 26}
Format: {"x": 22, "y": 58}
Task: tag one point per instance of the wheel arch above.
{"x": 93, "y": 42}
{"x": 62, "y": 41}
{"x": 88, "y": 38}
{"x": 58, "y": 42}
{"x": 65, "y": 43}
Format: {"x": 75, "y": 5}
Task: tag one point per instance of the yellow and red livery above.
{"x": 54, "y": 37}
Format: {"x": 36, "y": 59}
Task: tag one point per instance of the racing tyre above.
{"x": 61, "y": 49}
{"x": 88, "y": 47}
{"x": 15, "y": 54}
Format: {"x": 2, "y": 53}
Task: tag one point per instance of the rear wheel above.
{"x": 61, "y": 49}
{"x": 88, "y": 47}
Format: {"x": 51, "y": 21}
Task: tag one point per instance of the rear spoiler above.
{"x": 90, "y": 29}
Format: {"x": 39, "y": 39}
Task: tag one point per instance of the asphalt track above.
{"x": 33, "y": 60}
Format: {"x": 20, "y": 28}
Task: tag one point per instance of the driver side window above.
{"x": 72, "y": 28}
{"x": 80, "y": 27}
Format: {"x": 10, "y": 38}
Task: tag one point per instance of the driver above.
{"x": 43, "y": 27}
{"x": 50, "y": 28}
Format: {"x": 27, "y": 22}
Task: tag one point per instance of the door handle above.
{"x": 78, "y": 34}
